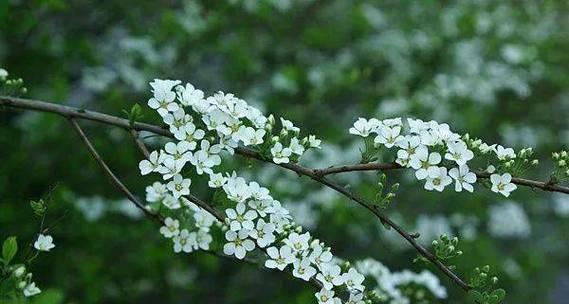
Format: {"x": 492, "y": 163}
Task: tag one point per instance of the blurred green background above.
{"x": 495, "y": 69}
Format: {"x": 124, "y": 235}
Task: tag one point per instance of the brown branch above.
{"x": 315, "y": 175}
{"x": 139, "y": 144}
{"x": 545, "y": 186}
{"x": 110, "y": 173}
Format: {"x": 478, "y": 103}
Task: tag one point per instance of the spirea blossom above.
{"x": 436, "y": 153}
{"x": 206, "y": 128}
{"x": 44, "y": 243}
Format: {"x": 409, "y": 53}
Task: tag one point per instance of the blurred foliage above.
{"x": 497, "y": 70}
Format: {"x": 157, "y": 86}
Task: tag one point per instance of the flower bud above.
{"x": 20, "y": 271}
{"x": 564, "y": 154}
{"x": 535, "y": 162}
{"x": 271, "y": 120}
{"x": 555, "y": 155}
{"x": 22, "y": 285}
{"x": 562, "y": 163}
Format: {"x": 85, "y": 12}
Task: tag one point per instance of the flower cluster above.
{"x": 390, "y": 284}
{"x": 431, "y": 148}
{"x": 258, "y": 220}
{"x": 206, "y": 127}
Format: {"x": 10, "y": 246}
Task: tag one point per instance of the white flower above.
{"x": 263, "y": 233}
{"x": 3, "y": 74}
{"x": 180, "y": 152}
{"x": 261, "y": 206}
{"x": 502, "y": 184}
{"x": 325, "y": 296}
{"x": 203, "y": 239}
{"x": 330, "y": 275}
{"x": 319, "y": 256}
{"x": 485, "y": 148}
{"x": 505, "y": 153}
{"x": 185, "y": 241}
{"x": 491, "y": 169}
{"x": 298, "y": 242}
{"x": 237, "y": 190}
{"x": 44, "y": 243}
{"x": 458, "y": 152}
{"x": 362, "y": 127}
{"x": 190, "y": 134}
{"x": 151, "y": 164}
{"x": 203, "y": 162}
{"x": 163, "y": 100}
{"x": 353, "y": 280}
{"x": 279, "y": 258}
{"x": 438, "y": 181}
{"x": 280, "y": 154}
{"x": 31, "y": 290}
{"x": 156, "y": 192}
{"x": 238, "y": 244}
{"x": 239, "y": 219}
{"x": 463, "y": 177}
{"x": 216, "y": 180}
{"x": 296, "y": 147}
{"x": 169, "y": 168}
{"x": 179, "y": 186}
{"x": 177, "y": 120}
{"x": 171, "y": 202}
{"x": 287, "y": 125}
{"x": 409, "y": 146}
{"x": 250, "y": 136}
{"x": 388, "y": 137}
{"x": 190, "y": 96}
{"x": 203, "y": 220}
{"x": 258, "y": 192}
{"x": 425, "y": 163}
{"x": 170, "y": 228}
{"x": 303, "y": 270}
{"x": 313, "y": 142}
{"x": 356, "y": 298}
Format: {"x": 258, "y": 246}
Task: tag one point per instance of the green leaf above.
{"x": 39, "y": 207}
{"x": 499, "y": 293}
{"x": 9, "y": 249}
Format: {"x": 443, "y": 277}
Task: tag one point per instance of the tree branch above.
{"x": 110, "y": 173}
{"x": 545, "y": 186}
{"x": 139, "y": 205}
{"x": 315, "y": 174}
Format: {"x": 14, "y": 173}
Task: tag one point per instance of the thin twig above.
{"x": 110, "y": 173}
{"x": 141, "y": 146}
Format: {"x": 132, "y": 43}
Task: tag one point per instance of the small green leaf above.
{"x": 39, "y": 207}
{"x": 499, "y": 293}
{"x": 9, "y": 249}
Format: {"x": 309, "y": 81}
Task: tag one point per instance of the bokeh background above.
{"x": 495, "y": 69}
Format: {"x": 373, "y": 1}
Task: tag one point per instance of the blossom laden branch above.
{"x": 545, "y": 186}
